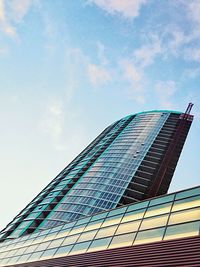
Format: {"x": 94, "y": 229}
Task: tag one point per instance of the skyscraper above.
{"x": 131, "y": 160}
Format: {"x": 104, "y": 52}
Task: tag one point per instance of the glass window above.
{"x": 128, "y": 227}
{"x": 13, "y": 260}
{"x": 161, "y": 200}
{"x": 70, "y": 239}
{"x": 182, "y": 230}
{"x": 108, "y": 231}
{"x": 43, "y": 246}
{"x": 48, "y": 254}
{"x": 49, "y": 237}
{"x": 99, "y": 216}
{"x": 35, "y": 256}
{"x": 80, "y": 248}
{"x": 23, "y": 258}
{"x": 31, "y": 248}
{"x": 112, "y": 220}
{"x": 4, "y": 261}
{"x": 186, "y": 203}
{"x": 56, "y": 243}
{"x": 93, "y": 225}
{"x": 157, "y": 210}
{"x": 11, "y": 252}
{"x": 99, "y": 244}
{"x": 149, "y": 236}
{"x": 62, "y": 251}
{"x": 154, "y": 222}
{"x": 63, "y": 233}
{"x": 188, "y": 193}
{"x": 77, "y": 229}
{"x": 184, "y": 216}
{"x": 122, "y": 240}
{"x": 133, "y": 215}
{"x": 87, "y": 236}
{"x": 117, "y": 211}
{"x": 83, "y": 221}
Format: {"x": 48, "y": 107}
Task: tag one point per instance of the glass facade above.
{"x": 102, "y": 186}
{"x": 117, "y": 168}
{"x": 168, "y": 217}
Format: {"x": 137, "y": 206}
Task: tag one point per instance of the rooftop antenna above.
{"x": 189, "y": 107}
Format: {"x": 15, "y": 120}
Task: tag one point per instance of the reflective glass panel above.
{"x": 70, "y": 240}
{"x": 48, "y": 253}
{"x": 154, "y": 222}
{"x": 63, "y": 251}
{"x": 112, "y": 220}
{"x": 43, "y": 246}
{"x": 128, "y": 227}
{"x": 122, "y": 240}
{"x": 161, "y": 200}
{"x": 149, "y": 236}
{"x": 80, "y": 248}
{"x": 108, "y": 231}
{"x": 56, "y": 243}
{"x": 35, "y": 256}
{"x": 133, "y": 215}
{"x": 157, "y": 210}
{"x": 99, "y": 244}
{"x": 188, "y": 193}
{"x": 93, "y": 225}
{"x": 184, "y": 216}
{"x": 87, "y": 236}
{"x": 190, "y": 202}
{"x": 77, "y": 230}
{"x": 182, "y": 230}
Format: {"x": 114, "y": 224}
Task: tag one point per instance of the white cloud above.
{"x": 5, "y": 25}
{"x": 165, "y": 90}
{"x": 145, "y": 55}
{"x": 101, "y": 53}
{"x": 133, "y": 69}
{"x": 191, "y": 73}
{"x": 193, "y": 7}
{"x": 130, "y": 72}
{"x": 19, "y": 8}
{"x": 11, "y": 13}
{"x": 127, "y": 8}
{"x": 98, "y": 75}
{"x": 52, "y": 123}
{"x": 3, "y": 51}
{"x": 192, "y": 54}
{"x": 133, "y": 75}
{"x": 59, "y": 124}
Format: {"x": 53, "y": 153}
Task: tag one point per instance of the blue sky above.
{"x": 69, "y": 68}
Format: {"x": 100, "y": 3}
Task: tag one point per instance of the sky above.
{"x": 69, "y": 68}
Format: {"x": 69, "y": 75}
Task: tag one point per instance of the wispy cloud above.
{"x": 130, "y": 72}
{"x": 192, "y": 54}
{"x": 126, "y": 8}
{"x": 52, "y": 123}
{"x": 145, "y": 55}
{"x": 59, "y": 125}
{"x": 101, "y": 53}
{"x": 133, "y": 69}
{"x": 98, "y": 75}
{"x": 11, "y": 13}
{"x": 165, "y": 91}
{"x": 3, "y": 51}
{"x": 193, "y": 7}
{"x": 134, "y": 76}
{"x": 5, "y": 25}
{"x": 191, "y": 73}
{"x": 19, "y": 8}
